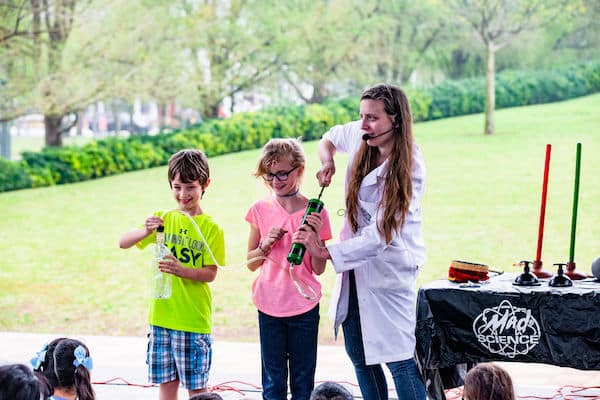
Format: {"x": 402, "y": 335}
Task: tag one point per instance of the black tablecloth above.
{"x": 460, "y": 326}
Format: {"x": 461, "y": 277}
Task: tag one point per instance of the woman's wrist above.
{"x": 323, "y": 252}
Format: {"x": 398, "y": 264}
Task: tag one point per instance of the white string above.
{"x": 298, "y": 282}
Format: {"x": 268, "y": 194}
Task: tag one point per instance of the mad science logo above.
{"x": 507, "y": 330}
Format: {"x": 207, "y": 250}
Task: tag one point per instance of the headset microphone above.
{"x": 367, "y": 136}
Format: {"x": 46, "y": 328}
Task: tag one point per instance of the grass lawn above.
{"x": 62, "y": 270}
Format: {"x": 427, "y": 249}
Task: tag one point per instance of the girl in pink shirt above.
{"x": 287, "y": 301}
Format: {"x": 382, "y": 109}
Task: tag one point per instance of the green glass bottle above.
{"x": 297, "y": 250}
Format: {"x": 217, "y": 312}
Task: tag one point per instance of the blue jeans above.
{"x": 371, "y": 379}
{"x": 288, "y": 341}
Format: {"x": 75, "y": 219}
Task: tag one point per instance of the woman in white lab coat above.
{"x": 381, "y": 247}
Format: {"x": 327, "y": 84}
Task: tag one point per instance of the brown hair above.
{"x": 276, "y": 149}
{"x": 191, "y": 165}
{"x": 488, "y": 381}
{"x": 397, "y": 190}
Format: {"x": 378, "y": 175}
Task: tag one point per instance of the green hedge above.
{"x": 244, "y": 131}
{"x": 512, "y": 88}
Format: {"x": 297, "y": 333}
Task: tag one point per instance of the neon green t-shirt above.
{"x": 190, "y": 306}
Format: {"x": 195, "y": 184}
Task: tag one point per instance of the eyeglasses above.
{"x": 281, "y": 176}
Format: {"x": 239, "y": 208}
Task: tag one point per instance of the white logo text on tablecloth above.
{"x": 507, "y": 330}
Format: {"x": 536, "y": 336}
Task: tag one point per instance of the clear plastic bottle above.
{"x": 161, "y": 282}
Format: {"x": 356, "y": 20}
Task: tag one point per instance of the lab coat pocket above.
{"x": 394, "y": 268}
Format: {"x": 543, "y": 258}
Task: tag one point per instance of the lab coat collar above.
{"x": 372, "y": 177}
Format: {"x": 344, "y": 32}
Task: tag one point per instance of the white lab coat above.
{"x": 385, "y": 273}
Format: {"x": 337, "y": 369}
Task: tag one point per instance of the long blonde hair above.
{"x": 397, "y": 190}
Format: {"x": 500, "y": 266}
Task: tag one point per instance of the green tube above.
{"x": 575, "y": 200}
{"x": 297, "y": 250}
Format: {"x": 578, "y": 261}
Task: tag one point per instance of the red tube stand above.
{"x": 539, "y": 271}
{"x": 575, "y": 275}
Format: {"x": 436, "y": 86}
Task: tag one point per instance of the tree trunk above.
{"x": 52, "y": 128}
{"x": 36, "y": 27}
{"x": 80, "y": 117}
{"x": 212, "y": 111}
{"x": 161, "y": 116}
{"x": 116, "y": 118}
{"x": 318, "y": 95}
{"x": 490, "y": 91}
{"x": 458, "y": 62}
{"x": 5, "y": 141}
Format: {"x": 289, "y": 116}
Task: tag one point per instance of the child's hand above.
{"x": 314, "y": 222}
{"x": 274, "y": 235}
{"x": 170, "y": 264}
{"x": 152, "y": 223}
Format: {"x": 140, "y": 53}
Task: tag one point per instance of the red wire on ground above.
{"x": 567, "y": 392}
{"x": 564, "y": 393}
{"x": 224, "y": 387}
{"x": 110, "y": 382}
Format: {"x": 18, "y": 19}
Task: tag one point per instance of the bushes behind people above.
{"x": 245, "y": 131}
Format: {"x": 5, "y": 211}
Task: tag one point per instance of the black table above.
{"x": 459, "y": 326}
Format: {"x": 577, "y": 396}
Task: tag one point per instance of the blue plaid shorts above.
{"x": 178, "y": 355}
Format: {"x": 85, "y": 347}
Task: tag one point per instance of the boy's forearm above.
{"x": 131, "y": 238}
{"x": 206, "y": 274}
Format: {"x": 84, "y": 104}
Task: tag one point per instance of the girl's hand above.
{"x": 274, "y": 235}
{"x": 326, "y": 173}
{"x": 152, "y": 223}
{"x": 170, "y": 264}
{"x": 314, "y": 221}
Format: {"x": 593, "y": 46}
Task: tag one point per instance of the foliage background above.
{"x": 62, "y": 270}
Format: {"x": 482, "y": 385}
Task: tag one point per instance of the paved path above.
{"x": 237, "y": 365}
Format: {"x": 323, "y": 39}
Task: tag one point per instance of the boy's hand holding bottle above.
{"x": 170, "y": 265}
{"x": 152, "y": 223}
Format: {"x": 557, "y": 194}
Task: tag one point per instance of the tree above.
{"x": 15, "y": 46}
{"x": 497, "y": 23}
{"x": 66, "y": 55}
{"x": 579, "y": 34}
{"x": 228, "y": 47}
{"x": 326, "y": 39}
{"x": 402, "y": 35}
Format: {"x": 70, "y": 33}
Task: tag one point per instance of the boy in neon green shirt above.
{"x": 180, "y": 345}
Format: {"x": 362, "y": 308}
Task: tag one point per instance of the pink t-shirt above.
{"x": 273, "y": 291}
